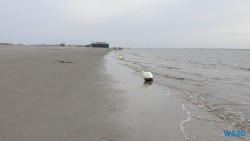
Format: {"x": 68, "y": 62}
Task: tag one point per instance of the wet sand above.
{"x": 53, "y": 93}
{"x": 148, "y": 113}
{"x": 62, "y": 94}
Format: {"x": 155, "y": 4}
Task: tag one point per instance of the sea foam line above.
{"x": 186, "y": 120}
{"x": 168, "y": 92}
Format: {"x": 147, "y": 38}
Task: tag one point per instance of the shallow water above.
{"x": 148, "y": 113}
{"x": 214, "y": 84}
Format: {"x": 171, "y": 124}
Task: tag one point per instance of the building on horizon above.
{"x": 99, "y": 45}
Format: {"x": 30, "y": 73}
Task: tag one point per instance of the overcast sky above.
{"x": 128, "y": 23}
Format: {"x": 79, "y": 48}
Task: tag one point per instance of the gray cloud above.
{"x": 131, "y": 23}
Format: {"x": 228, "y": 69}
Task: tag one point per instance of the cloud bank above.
{"x": 130, "y": 23}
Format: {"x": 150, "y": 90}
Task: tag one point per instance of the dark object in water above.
{"x": 61, "y": 61}
{"x": 148, "y": 79}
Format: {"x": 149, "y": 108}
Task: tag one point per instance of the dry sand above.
{"x": 65, "y": 94}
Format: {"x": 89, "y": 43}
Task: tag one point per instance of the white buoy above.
{"x": 148, "y": 76}
{"x": 120, "y": 57}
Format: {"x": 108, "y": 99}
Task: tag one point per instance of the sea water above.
{"x": 213, "y": 86}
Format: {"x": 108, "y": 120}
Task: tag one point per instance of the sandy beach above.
{"x": 80, "y": 94}
{"x": 53, "y": 94}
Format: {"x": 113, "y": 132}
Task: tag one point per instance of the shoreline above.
{"x": 61, "y": 93}
{"x": 200, "y": 123}
{"x": 148, "y": 112}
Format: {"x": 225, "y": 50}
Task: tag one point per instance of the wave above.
{"x": 186, "y": 78}
{"x": 169, "y": 67}
{"x": 186, "y": 120}
{"x": 174, "y": 77}
{"x": 246, "y": 69}
{"x": 238, "y": 119}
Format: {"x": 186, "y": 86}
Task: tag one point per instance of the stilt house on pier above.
{"x": 99, "y": 45}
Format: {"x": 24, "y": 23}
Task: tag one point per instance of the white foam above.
{"x": 186, "y": 120}
{"x": 168, "y": 92}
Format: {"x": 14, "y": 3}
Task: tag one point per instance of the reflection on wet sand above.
{"x": 147, "y": 84}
